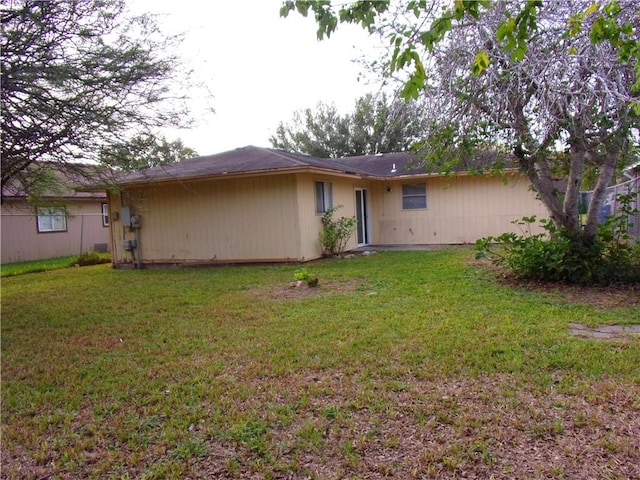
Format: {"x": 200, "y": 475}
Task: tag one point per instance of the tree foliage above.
{"x": 144, "y": 151}
{"x": 321, "y": 133}
{"x": 77, "y": 76}
{"x": 418, "y": 24}
{"x": 376, "y": 125}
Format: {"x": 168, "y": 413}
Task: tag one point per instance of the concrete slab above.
{"x": 605, "y": 332}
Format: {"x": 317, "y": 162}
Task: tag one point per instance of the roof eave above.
{"x": 282, "y": 171}
{"x": 247, "y": 173}
{"x": 463, "y": 173}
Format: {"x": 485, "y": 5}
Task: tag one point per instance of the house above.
{"x": 60, "y": 222}
{"x": 265, "y": 205}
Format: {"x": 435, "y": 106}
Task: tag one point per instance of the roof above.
{"x": 252, "y": 159}
{"x": 241, "y": 160}
{"x": 66, "y": 177}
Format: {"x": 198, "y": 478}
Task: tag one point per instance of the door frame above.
{"x": 363, "y": 214}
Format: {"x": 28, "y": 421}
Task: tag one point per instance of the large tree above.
{"x": 144, "y": 151}
{"x": 377, "y": 124}
{"x": 78, "y": 76}
{"x": 322, "y": 132}
{"x": 536, "y": 78}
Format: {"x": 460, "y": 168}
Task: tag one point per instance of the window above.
{"x": 324, "y": 201}
{"x": 52, "y": 219}
{"x": 414, "y": 195}
{"x": 105, "y": 215}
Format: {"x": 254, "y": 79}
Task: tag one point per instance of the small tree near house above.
{"x": 336, "y": 232}
{"x": 552, "y": 84}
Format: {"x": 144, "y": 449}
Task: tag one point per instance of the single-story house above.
{"x": 265, "y": 205}
{"x": 60, "y": 222}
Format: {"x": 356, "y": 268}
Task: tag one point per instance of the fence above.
{"x": 612, "y": 205}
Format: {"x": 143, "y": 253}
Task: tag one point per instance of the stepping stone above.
{"x": 604, "y": 332}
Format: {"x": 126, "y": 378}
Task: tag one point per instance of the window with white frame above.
{"x": 324, "y": 201}
{"x": 105, "y": 215}
{"x": 414, "y": 195}
{"x": 52, "y": 219}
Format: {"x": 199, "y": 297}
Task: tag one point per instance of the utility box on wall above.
{"x": 129, "y": 245}
{"x": 125, "y": 216}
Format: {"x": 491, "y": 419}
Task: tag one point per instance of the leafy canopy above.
{"x": 79, "y": 76}
{"x": 376, "y": 125}
{"x": 513, "y": 32}
{"x": 144, "y": 151}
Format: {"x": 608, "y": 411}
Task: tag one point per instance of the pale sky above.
{"x": 259, "y": 67}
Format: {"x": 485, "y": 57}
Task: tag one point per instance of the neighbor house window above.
{"x": 414, "y": 195}
{"x": 105, "y": 215}
{"x": 52, "y": 219}
{"x": 324, "y": 201}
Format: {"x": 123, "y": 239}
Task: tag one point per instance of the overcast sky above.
{"x": 259, "y": 67}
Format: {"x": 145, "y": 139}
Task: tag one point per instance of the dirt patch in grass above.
{"x": 606, "y": 297}
{"x": 612, "y": 296}
{"x": 465, "y": 428}
{"x": 328, "y": 425}
{"x": 295, "y": 290}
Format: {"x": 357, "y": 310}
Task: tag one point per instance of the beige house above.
{"x": 62, "y": 224}
{"x": 265, "y": 205}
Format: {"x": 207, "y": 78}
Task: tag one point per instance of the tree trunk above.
{"x": 571, "y": 207}
{"x": 540, "y": 177}
{"x": 595, "y": 205}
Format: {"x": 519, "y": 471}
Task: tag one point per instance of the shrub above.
{"x": 612, "y": 257}
{"x": 90, "y": 258}
{"x": 336, "y": 232}
{"x": 303, "y": 275}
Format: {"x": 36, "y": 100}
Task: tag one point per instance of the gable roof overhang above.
{"x": 140, "y": 182}
{"x": 256, "y": 161}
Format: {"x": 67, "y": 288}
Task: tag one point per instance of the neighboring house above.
{"x": 55, "y": 225}
{"x": 264, "y": 205}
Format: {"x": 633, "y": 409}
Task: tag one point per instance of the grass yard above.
{"x": 37, "y": 266}
{"x": 401, "y": 365}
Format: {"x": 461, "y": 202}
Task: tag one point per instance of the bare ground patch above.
{"x": 606, "y": 297}
{"x": 467, "y": 428}
{"x": 329, "y": 425}
{"x": 294, "y": 290}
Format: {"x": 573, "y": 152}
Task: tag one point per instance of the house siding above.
{"x": 223, "y": 220}
{"x": 21, "y": 240}
{"x": 271, "y": 218}
{"x": 460, "y": 209}
{"x": 343, "y": 190}
{"x": 308, "y": 220}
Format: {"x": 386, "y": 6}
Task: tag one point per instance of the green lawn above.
{"x": 403, "y": 365}
{"x": 37, "y": 266}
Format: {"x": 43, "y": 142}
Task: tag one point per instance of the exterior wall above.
{"x": 459, "y": 210}
{"x": 273, "y": 218}
{"x": 343, "y": 190}
{"x": 223, "y": 220}
{"x": 21, "y": 240}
